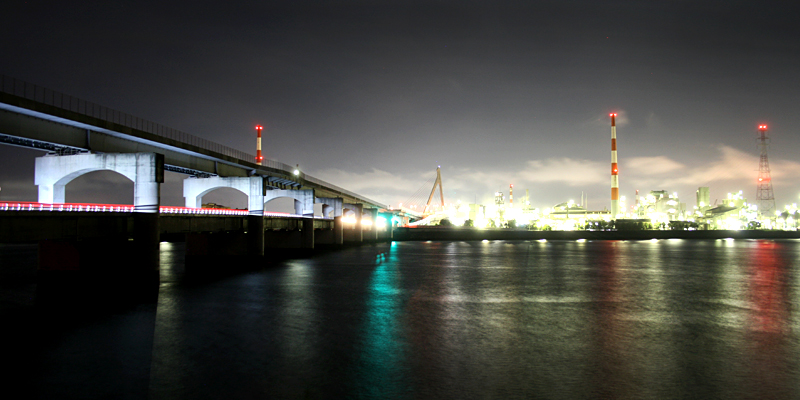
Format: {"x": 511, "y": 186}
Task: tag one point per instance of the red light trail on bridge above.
{"x": 129, "y": 208}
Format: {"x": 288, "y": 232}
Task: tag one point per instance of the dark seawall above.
{"x": 444, "y": 233}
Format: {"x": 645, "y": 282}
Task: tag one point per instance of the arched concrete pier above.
{"x": 253, "y": 187}
{"x": 145, "y": 170}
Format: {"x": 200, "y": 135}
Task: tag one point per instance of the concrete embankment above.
{"x": 457, "y": 233}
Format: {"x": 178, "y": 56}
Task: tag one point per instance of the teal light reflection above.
{"x": 382, "y": 361}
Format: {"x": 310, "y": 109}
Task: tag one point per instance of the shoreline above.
{"x": 437, "y": 233}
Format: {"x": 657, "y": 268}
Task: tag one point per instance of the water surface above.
{"x": 462, "y": 320}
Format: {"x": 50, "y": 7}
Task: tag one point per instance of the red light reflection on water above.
{"x": 768, "y": 289}
{"x": 610, "y": 332}
{"x": 769, "y": 329}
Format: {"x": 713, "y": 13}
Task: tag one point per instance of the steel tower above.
{"x": 764, "y": 195}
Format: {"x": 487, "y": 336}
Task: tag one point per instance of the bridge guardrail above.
{"x": 30, "y": 91}
{"x": 54, "y": 98}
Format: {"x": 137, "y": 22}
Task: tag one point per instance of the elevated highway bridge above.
{"x": 36, "y": 117}
{"x": 81, "y": 137}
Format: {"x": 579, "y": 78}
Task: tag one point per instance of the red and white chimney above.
{"x": 259, "y": 158}
{"x": 614, "y": 169}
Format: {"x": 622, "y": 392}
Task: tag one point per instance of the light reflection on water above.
{"x": 298, "y": 318}
{"x": 555, "y": 319}
{"x": 381, "y": 365}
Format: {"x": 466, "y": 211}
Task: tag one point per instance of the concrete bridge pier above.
{"x": 100, "y": 265}
{"x": 298, "y": 234}
{"x": 387, "y": 234}
{"x": 338, "y": 230}
{"x": 253, "y": 187}
{"x": 331, "y": 207}
{"x": 143, "y": 270}
{"x": 255, "y": 236}
{"x": 145, "y": 170}
{"x": 307, "y": 231}
{"x": 210, "y": 253}
{"x": 355, "y": 234}
{"x": 372, "y": 233}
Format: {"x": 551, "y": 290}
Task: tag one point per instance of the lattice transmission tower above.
{"x": 764, "y": 195}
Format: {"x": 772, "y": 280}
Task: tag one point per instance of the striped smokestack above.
{"x": 259, "y": 158}
{"x": 614, "y": 169}
{"x": 511, "y": 194}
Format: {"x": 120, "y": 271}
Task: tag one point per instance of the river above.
{"x": 661, "y": 319}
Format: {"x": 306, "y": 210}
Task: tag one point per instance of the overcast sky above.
{"x": 373, "y": 95}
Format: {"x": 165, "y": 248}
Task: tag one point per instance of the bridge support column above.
{"x": 333, "y": 205}
{"x": 146, "y": 242}
{"x": 388, "y": 234}
{"x": 372, "y": 233}
{"x": 102, "y": 270}
{"x": 356, "y": 234}
{"x": 338, "y": 230}
{"x": 300, "y": 232}
{"x": 307, "y": 233}
{"x": 146, "y": 170}
{"x": 255, "y": 234}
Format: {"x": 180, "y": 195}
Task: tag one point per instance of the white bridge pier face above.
{"x": 195, "y": 188}
{"x": 146, "y": 170}
{"x": 334, "y": 204}
{"x": 331, "y": 204}
{"x": 303, "y": 200}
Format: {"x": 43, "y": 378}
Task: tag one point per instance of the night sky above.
{"x": 373, "y": 95}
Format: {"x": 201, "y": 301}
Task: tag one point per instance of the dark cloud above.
{"x": 401, "y": 87}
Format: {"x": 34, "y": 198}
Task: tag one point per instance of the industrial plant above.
{"x": 657, "y": 210}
